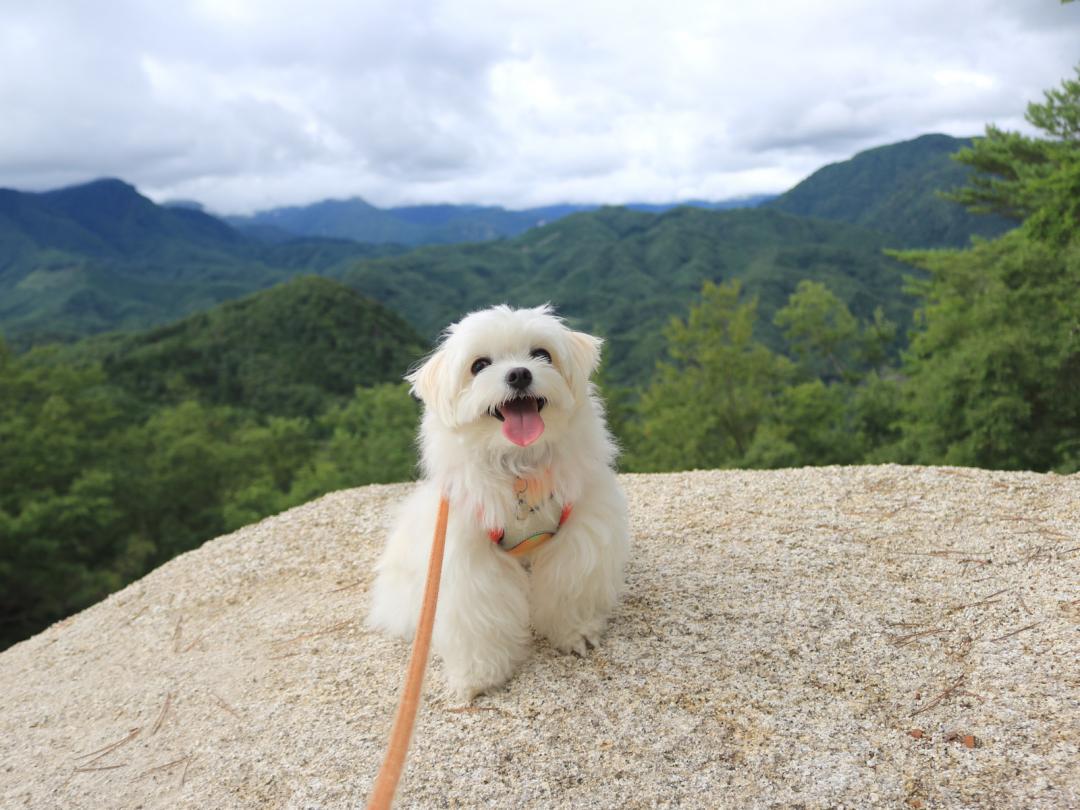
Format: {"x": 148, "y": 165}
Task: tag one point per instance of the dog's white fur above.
{"x": 487, "y": 598}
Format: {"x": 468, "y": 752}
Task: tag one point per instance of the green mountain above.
{"x": 624, "y": 274}
{"x": 415, "y": 225}
{"x": 895, "y": 189}
{"x": 285, "y": 351}
{"x": 428, "y": 224}
{"x": 101, "y": 256}
{"x": 106, "y": 218}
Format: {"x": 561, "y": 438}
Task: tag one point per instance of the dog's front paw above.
{"x": 464, "y": 689}
{"x": 465, "y": 679}
{"x": 462, "y": 693}
{"x": 579, "y": 645}
{"x": 578, "y": 640}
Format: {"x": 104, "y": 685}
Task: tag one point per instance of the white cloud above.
{"x": 246, "y": 104}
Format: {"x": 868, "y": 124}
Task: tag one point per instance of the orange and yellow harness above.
{"x": 532, "y": 493}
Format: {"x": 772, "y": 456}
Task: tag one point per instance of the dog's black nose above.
{"x": 519, "y": 378}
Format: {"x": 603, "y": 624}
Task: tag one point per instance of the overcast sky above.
{"x": 250, "y": 104}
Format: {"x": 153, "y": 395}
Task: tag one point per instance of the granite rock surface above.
{"x": 833, "y": 637}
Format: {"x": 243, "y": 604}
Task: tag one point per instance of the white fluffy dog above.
{"x": 513, "y": 434}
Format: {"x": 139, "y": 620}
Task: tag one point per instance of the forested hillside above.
{"x": 898, "y": 191}
{"x": 101, "y": 256}
{"x": 282, "y": 351}
{"x": 624, "y": 274}
{"x": 120, "y": 452}
{"x": 991, "y": 377}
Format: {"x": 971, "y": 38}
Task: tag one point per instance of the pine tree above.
{"x": 994, "y": 371}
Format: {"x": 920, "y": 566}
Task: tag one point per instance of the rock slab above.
{"x": 832, "y": 637}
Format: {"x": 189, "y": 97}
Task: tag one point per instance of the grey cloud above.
{"x": 246, "y": 104}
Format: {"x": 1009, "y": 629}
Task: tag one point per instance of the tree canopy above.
{"x": 994, "y": 367}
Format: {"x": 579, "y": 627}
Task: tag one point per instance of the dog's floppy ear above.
{"x": 429, "y": 383}
{"x": 584, "y": 355}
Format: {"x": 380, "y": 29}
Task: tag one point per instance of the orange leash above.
{"x": 382, "y": 796}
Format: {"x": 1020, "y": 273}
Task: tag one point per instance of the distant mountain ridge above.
{"x": 623, "y": 274}
{"x": 895, "y": 189}
{"x": 415, "y": 225}
{"x": 103, "y": 218}
{"x": 101, "y": 256}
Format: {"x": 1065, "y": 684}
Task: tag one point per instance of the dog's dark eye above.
{"x": 538, "y": 353}
{"x": 479, "y": 364}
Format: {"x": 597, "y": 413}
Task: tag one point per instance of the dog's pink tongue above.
{"x": 522, "y": 423}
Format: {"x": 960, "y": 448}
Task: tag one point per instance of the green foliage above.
{"x": 100, "y": 257}
{"x": 994, "y": 374}
{"x": 283, "y": 351}
{"x": 704, "y": 406}
{"x": 875, "y": 417}
{"x": 807, "y": 425}
{"x": 56, "y": 502}
{"x": 820, "y": 331}
{"x": 121, "y": 452}
{"x": 1059, "y": 115}
{"x": 725, "y": 399}
{"x": 1032, "y": 179}
{"x": 827, "y": 341}
{"x": 370, "y": 440}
